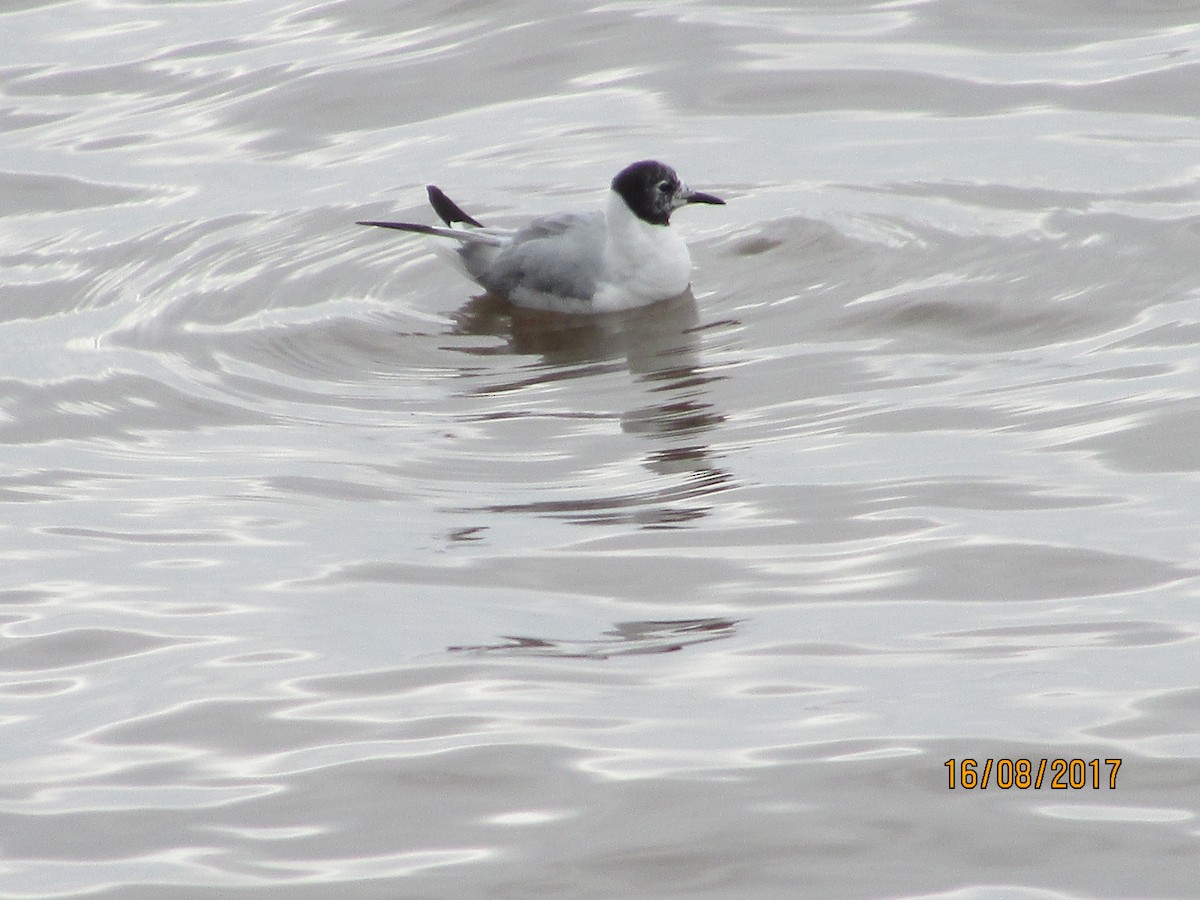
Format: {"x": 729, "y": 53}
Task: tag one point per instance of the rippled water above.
{"x": 323, "y": 578}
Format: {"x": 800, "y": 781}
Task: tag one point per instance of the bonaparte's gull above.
{"x": 619, "y": 258}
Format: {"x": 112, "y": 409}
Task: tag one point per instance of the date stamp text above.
{"x": 1025, "y": 774}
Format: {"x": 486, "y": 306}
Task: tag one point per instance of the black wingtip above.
{"x": 448, "y": 211}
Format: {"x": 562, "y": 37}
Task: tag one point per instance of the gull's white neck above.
{"x": 645, "y": 263}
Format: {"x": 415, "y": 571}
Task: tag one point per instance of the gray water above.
{"x": 323, "y": 577}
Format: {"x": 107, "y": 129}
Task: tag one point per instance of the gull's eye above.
{"x": 664, "y": 187}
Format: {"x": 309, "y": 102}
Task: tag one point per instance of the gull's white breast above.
{"x": 643, "y": 263}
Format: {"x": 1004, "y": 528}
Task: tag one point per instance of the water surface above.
{"x": 325, "y": 577}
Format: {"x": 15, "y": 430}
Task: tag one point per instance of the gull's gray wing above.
{"x": 560, "y": 254}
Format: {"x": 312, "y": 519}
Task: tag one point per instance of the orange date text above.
{"x": 1025, "y": 774}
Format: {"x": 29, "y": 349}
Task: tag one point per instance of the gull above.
{"x": 621, "y": 257}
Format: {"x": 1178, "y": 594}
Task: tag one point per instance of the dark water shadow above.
{"x": 625, "y": 639}
{"x": 639, "y": 338}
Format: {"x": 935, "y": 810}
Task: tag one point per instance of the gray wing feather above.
{"x": 494, "y": 237}
{"x": 560, "y": 254}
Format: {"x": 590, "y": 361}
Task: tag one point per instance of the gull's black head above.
{"x": 653, "y": 191}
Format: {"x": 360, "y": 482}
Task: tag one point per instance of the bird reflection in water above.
{"x": 659, "y": 346}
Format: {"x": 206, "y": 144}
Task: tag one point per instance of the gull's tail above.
{"x": 450, "y": 213}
